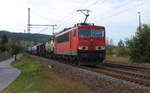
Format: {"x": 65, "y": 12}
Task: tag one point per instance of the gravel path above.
{"x": 97, "y": 83}
{"x": 7, "y": 73}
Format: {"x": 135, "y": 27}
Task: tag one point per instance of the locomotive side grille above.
{"x": 92, "y": 54}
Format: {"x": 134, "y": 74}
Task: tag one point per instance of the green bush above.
{"x": 5, "y": 54}
{"x": 139, "y": 45}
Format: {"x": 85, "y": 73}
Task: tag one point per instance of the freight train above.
{"x": 82, "y": 44}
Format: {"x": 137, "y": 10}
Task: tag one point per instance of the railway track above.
{"x": 125, "y": 72}
{"x": 137, "y": 78}
{"x": 142, "y": 70}
{"x": 119, "y": 71}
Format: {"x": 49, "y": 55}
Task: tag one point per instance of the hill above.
{"x": 37, "y": 38}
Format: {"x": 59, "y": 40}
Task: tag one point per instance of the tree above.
{"x": 50, "y": 37}
{"x": 4, "y": 41}
{"x": 109, "y": 47}
{"x": 139, "y": 45}
{"x": 121, "y": 49}
{"x": 16, "y": 47}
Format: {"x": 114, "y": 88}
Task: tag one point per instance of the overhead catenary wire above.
{"x": 43, "y": 29}
{"x": 119, "y": 12}
{"x": 125, "y": 10}
{"x": 66, "y": 18}
{"x": 39, "y": 25}
{"x": 71, "y": 17}
{"x": 97, "y": 2}
{"x": 42, "y": 17}
{"x": 119, "y": 6}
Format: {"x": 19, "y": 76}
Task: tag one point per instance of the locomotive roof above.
{"x": 76, "y": 25}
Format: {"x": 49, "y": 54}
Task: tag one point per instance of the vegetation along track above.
{"x": 140, "y": 79}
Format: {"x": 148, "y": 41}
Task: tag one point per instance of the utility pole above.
{"x": 28, "y": 25}
{"x": 24, "y": 40}
{"x": 140, "y": 24}
{"x": 53, "y": 27}
{"x": 85, "y": 12}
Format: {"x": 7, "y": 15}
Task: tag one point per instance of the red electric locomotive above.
{"x": 84, "y": 42}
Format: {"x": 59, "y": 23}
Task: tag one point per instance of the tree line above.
{"x": 137, "y": 47}
{"x": 9, "y": 47}
{"x": 12, "y": 46}
{"x": 36, "y": 38}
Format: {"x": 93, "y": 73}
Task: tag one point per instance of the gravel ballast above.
{"x": 96, "y": 82}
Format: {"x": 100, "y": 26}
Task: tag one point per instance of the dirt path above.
{"x": 7, "y": 73}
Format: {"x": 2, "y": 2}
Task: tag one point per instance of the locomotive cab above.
{"x": 83, "y": 42}
{"x": 91, "y": 42}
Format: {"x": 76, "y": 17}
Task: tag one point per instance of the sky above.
{"x": 119, "y": 17}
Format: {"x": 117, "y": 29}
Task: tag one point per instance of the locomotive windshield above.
{"x": 91, "y": 33}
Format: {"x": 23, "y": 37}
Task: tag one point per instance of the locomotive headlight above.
{"x": 100, "y": 48}
{"x": 80, "y": 47}
{"x": 83, "y": 48}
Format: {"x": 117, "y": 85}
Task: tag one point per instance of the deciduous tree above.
{"x": 4, "y": 41}
{"x": 109, "y": 47}
{"x": 121, "y": 49}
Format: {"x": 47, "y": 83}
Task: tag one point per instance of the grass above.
{"x": 38, "y": 78}
{"x": 126, "y": 60}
